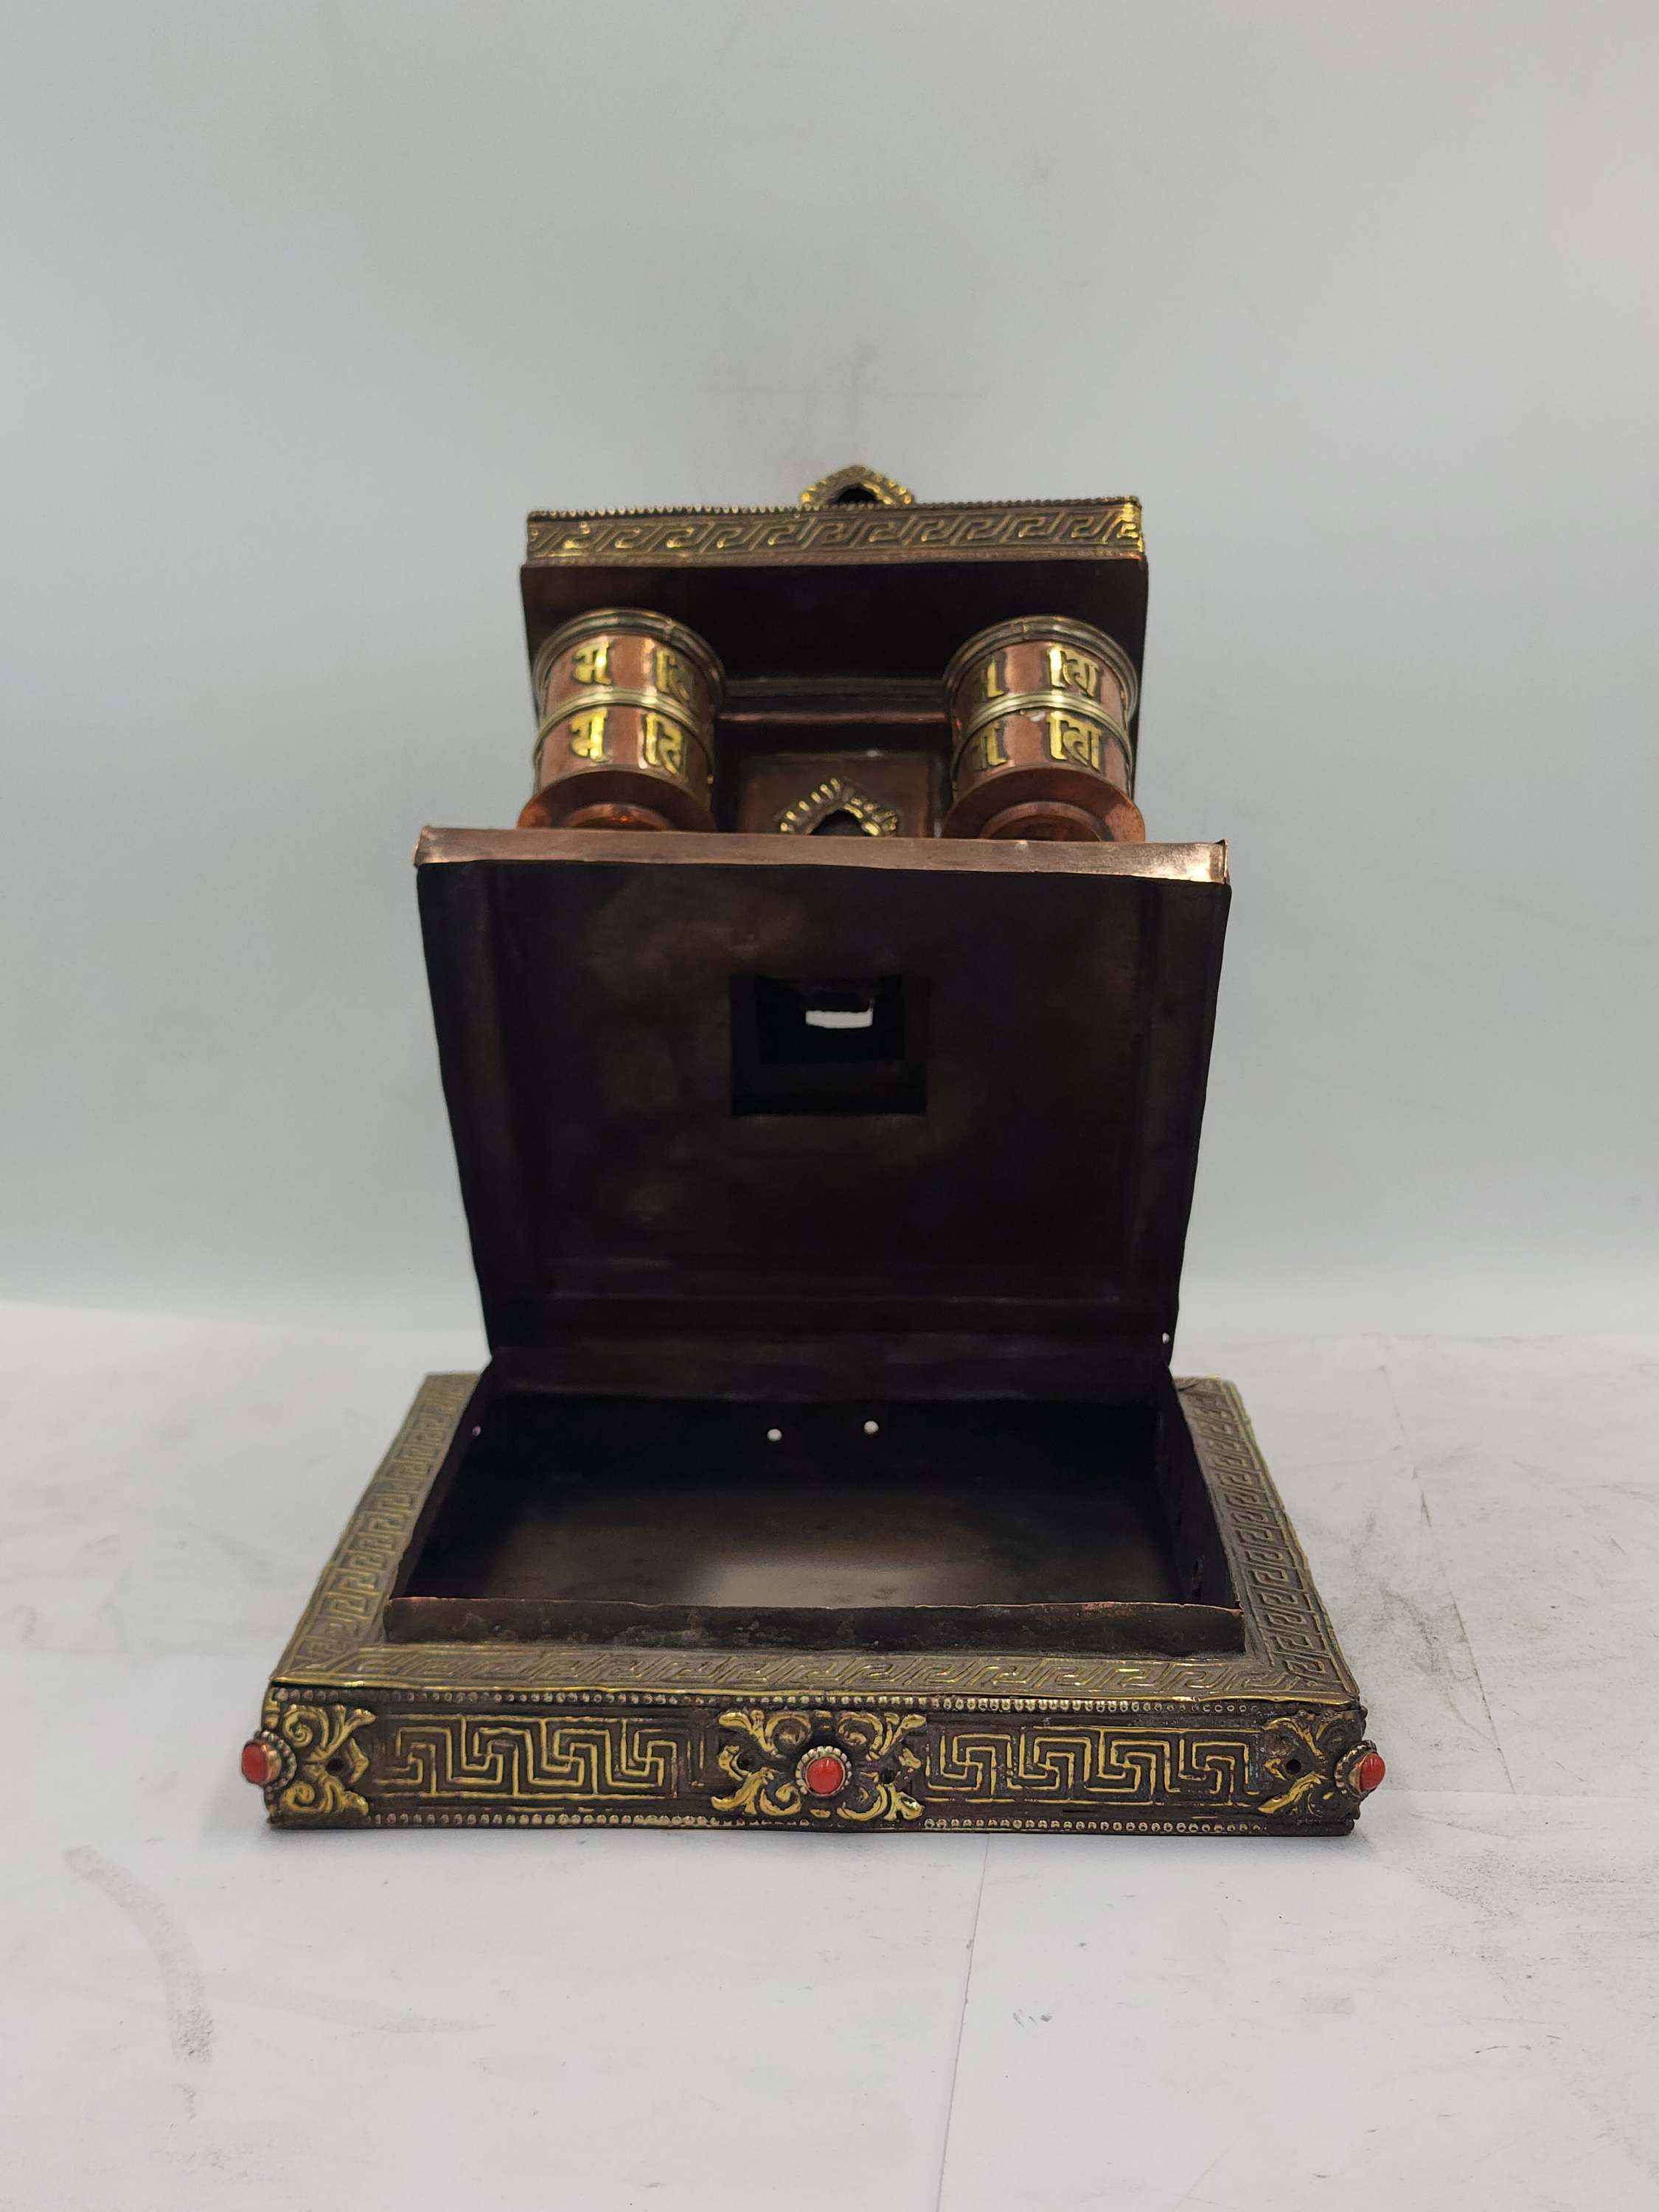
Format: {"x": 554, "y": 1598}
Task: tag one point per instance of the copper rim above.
{"x": 1072, "y": 826}
{"x": 615, "y": 814}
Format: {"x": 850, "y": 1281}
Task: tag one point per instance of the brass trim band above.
{"x": 596, "y": 697}
{"x": 628, "y": 699}
{"x": 627, "y": 621}
{"x": 1035, "y": 705}
{"x": 1048, "y": 630}
{"x": 1039, "y": 710}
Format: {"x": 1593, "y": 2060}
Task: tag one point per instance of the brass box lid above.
{"x": 642, "y": 1146}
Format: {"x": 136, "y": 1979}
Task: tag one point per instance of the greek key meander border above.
{"x": 450, "y": 1768}
{"x": 336, "y": 1627}
{"x": 1292, "y": 1655}
{"x": 1082, "y": 529}
{"x": 433, "y": 1759}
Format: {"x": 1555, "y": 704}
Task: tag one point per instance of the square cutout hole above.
{"x": 837, "y": 1045}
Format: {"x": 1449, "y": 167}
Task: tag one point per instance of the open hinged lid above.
{"x": 701, "y": 1085}
{"x": 886, "y": 588}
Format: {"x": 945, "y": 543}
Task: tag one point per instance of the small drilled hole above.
{"x": 1293, "y": 1766}
{"x": 336, "y": 1766}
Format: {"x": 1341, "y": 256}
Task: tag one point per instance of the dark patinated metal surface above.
{"x": 828, "y": 1181}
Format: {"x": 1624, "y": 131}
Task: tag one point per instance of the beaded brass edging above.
{"x": 1000, "y": 1826}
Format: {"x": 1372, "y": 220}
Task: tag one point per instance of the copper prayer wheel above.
{"x": 1040, "y": 710}
{"x": 627, "y": 700}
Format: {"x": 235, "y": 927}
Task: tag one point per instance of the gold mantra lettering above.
{"x": 1070, "y": 671}
{"x": 1072, "y": 740}
{"x": 991, "y": 684}
{"x": 588, "y": 735}
{"x": 673, "y": 677}
{"x": 662, "y": 745}
{"x": 985, "y": 751}
{"x": 591, "y": 664}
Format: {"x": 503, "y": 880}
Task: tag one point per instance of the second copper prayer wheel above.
{"x": 626, "y": 701}
{"x": 1040, "y": 747}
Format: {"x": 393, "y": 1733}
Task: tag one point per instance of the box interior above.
{"x": 915, "y": 1525}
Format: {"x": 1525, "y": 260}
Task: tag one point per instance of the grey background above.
{"x": 306, "y": 304}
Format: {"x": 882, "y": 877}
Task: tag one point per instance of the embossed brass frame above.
{"x": 371, "y": 1732}
{"x": 1082, "y": 529}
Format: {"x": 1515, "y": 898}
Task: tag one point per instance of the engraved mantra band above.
{"x": 627, "y": 700}
{"x": 1039, "y": 711}
{"x": 668, "y": 732}
{"x": 1053, "y": 709}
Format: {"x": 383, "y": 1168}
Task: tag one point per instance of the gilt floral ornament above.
{"x": 1315, "y": 1767}
{"x": 306, "y": 1760}
{"x": 854, "y": 1767}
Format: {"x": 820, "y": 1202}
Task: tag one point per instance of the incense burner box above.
{"x": 825, "y": 1056}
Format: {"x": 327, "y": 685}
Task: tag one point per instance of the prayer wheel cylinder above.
{"x": 1039, "y": 711}
{"x": 626, "y": 701}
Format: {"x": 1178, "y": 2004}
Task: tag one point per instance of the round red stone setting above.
{"x": 823, "y": 1772}
{"x": 1368, "y": 1772}
{"x": 260, "y": 1765}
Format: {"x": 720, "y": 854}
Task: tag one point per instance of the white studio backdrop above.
{"x": 306, "y": 304}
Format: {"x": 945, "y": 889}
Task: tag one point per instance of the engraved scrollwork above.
{"x": 321, "y": 1761}
{"x": 1307, "y": 1759}
{"x": 763, "y": 1760}
{"x": 883, "y": 1763}
{"x": 760, "y": 1762}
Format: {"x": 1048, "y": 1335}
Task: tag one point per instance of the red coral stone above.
{"x": 1369, "y": 1772}
{"x": 824, "y": 1776}
{"x": 259, "y": 1763}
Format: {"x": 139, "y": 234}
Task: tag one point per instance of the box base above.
{"x": 361, "y": 1730}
